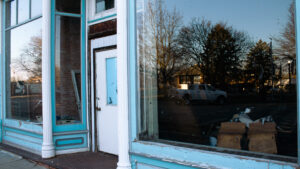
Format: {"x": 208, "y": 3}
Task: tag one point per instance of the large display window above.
{"x": 23, "y": 53}
{"x": 218, "y": 76}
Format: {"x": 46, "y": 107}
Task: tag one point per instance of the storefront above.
{"x": 160, "y": 83}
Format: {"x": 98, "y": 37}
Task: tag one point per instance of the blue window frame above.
{"x": 141, "y": 151}
{"x": 83, "y": 124}
{"x": 8, "y": 27}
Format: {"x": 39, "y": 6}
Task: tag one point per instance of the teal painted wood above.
{"x": 298, "y": 68}
{"x": 2, "y": 67}
{"x": 148, "y": 163}
{"x": 24, "y": 139}
{"x": 73, "y": 141}
{"x": 83, "y": 125}
{"x": 200, "y": 158}
{"x": 26, "y": 126}
{"x": 100, "y": 19}
{"x": 111, "y": 81}
{"x": 132, "y": 71}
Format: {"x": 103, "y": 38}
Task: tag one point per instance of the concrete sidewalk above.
{"x": 12, "y": 161}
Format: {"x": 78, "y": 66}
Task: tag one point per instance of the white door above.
{"x": 106, "y": 101}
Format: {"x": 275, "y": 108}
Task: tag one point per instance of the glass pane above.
{"x": 24, "y": 72}
{"x": 218, "y": 73}
{"x": 69, "y": 6}
{"x": 102, "y": 5}
{"x": 23, "y": 10}
{"x": 67, "y": 70}
{"x": 111, "y": 81}
{"x": 36, "y": 8}
{"x": 10, "y": 13}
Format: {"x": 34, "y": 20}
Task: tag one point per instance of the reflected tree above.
{"x": 217, "y": 50}
{"x": 259, "y": 65}
{"x": 287, "y": 41}
{"x": 30, "y": 60}
{"x": 160, "y": 46}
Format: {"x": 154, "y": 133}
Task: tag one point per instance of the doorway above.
{"x": 106, "y": 106}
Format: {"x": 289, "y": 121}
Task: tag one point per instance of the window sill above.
{"x": 200, "y": 156}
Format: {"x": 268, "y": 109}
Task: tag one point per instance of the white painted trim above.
{"x": 70, "y": 151}
{"x": 92, "y": 15}
{"x": 48, "y": 149}
{"x": 97, "y": 43}
{"x": 122, "y": 75}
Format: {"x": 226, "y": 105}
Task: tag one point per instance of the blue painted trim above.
{"x": 83, "y": 125}
{"x": 111, "y": 81}
{"x": 40, "y": 136}
{"x": 2, "y": 68}
{"x": 28, "y": 126}
{"x": 201, "y": 158}
{"x": 132, "y": 71}
{"x": 100, "y": 19}
{"x": 68, "y": 14}
{"x": 297, "y": 8}
{"x": 52, "y": 47}
{"x": 181, "y": 154}
{"x": 139, "y": 160}
{"x": 72, "y": 141}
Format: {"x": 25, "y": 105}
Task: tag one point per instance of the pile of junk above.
{"x": 243, "y": 133}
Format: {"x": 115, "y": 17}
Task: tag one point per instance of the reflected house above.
{"x": 156, "y": 83}
{"x": 190, "y": 75}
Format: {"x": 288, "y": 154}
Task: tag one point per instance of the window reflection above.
{"x": 36, "y": 8}
{"x": 102, "y": 5}
{"x": 10, "y": 13}
{"x": 206, "y": 76}
{"x": 24, "y": 72}
{"x": 23, "y": 10}
{"x": 67, "y": 70}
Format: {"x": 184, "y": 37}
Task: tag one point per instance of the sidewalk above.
{"x": 84, "y": 160}
{"x": 12, "y": 161}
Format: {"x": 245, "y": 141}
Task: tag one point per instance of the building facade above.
{"x": 160, "y": 83}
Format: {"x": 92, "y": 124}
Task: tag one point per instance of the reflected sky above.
{"x": 261, "y": 19}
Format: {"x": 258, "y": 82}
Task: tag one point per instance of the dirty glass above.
{"x": 23, "y": 50}
{"x": 23, "y": 10}
{"x": 36, "y": 8}
{"x": 10, "y": 13}
{"x": 219, "y": 74}
{"x": 102, "y": 5}
{"x": 68, "y": 6}
{"x": 67, "y": 70}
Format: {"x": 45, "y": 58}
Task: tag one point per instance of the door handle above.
{"x": 97, "y": 102}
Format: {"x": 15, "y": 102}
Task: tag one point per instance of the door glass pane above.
{"x": 218, "y": 73}
{"x": 67, "y": 70}
{"x": 36, "y": 8}
{"x": 102, "y": 5}
{"x": 10, "y": 13}
{"x": 69, "y": 6}
{"x": 23, "y": 10}
{"x": 111, "y": 81}
{"x": 24, "y": 72}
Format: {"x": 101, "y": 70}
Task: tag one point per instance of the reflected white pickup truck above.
{"x": 201, "y": 92}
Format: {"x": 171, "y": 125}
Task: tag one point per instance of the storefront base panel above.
{"x": 72, "y": 142}
{"x": 23, "y": 140}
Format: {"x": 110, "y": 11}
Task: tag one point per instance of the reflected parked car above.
{"x": 201, "y": 92}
